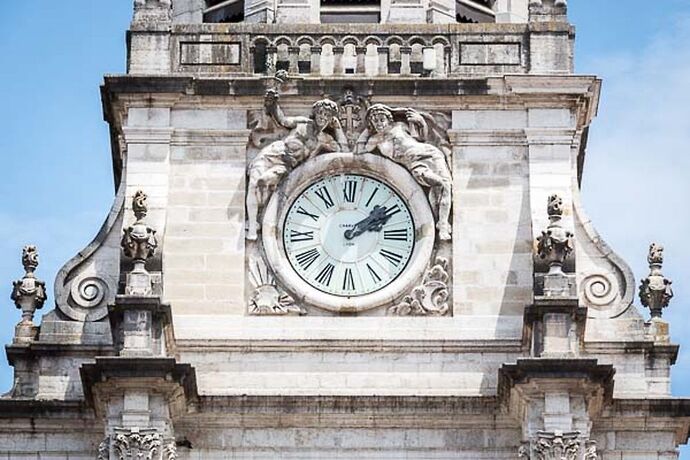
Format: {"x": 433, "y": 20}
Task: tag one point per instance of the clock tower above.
{"x": 347, "y": 229}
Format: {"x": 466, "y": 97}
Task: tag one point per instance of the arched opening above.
{"x": 351, "y": 11}
{"x": 474, "y": 11}
{"x": 224, "y": 11}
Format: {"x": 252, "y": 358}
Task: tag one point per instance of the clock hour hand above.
{"x": 372, "y": 223}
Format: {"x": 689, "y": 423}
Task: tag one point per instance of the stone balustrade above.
{"x": 361, "y": 50}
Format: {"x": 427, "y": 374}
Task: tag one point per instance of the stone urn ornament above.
{"x": 655, "y": 289}
{"x": 139, "y": 243}
{"x": 555, "y": 243}
{"x": 28, "y": 295}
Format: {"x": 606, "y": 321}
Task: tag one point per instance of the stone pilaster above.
{"x": 556, "y": 401}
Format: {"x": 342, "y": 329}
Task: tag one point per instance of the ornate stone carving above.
{"x": 267, "y": 298}
{"x": 137, "y": 444}
{"x": 524, "y": 451}
{"x": 429, "y": 298}
{"x": 555, "y": 2}
{"x": 591, "y": 451}
{"x": 352, "y": 115}
{"x": 308, "y": 136}
{"x": 170, "y": 450}
{"x": 402, "y": 135}
{"x": 139, "y": 243}
{"x": 87, "y": 283}
{"x": 104, "y": 449}
{"x": 557, "y": 446}
{"x": 655, "y": 289}
{"x": 28, "y": 295}
{"x": 555, "y": 243}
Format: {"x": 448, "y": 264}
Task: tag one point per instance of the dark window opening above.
{"x": 224, "y": 11}
{"x": 394, "y": 66}
{"x": 260, "y": 58}
{"x": 304, "y": 66}
{"x": 417, "y": 67}
{"x": 282, "y": 65}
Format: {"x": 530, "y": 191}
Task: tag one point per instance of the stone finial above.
{"x": 555, "y": 243}
{"x": 28, "y": 295}
{"x": 655, "y": 289}
{"x": 139, "y": 243}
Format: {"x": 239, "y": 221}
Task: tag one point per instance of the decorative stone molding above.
{"x": 137, "y": 444}
{"x": 104, "y": 449}
{"x": 557, "y": 445}
{"x": 139, "y": 243}
{"x": 28, "y": 295}
{"x": 655, "y": 289}
{"x": 170, "y": 450}
{"x": 430, "y": 298}
{"x": 267, "y": 298}
{"x": 87, "y": 283}
{"x": 606, "y": 283}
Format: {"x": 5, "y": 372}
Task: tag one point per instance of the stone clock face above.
{"x": 348, "y": 235}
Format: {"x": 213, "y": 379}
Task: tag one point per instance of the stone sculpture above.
{"x": 28, "y": 295}
{"x": 319, "y": 133}
{"x": 557, "y": 446}
{"x": 139, "y": 243}
{"x": 555, "y": 243}
{"x": 401, "y": 135}
{"x": 430, "y": 298}
{"x": 655, "y": 289}
{"x": 135, "y": 444}
{"x": 267, "y": 298}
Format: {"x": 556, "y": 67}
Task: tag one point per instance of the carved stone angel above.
{"x": 319, "y": 133}
{"x": 402, "y": 136}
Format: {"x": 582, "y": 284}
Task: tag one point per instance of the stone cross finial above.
{"x": 28, "y": 295}
{"x": 555, "y": 243}
{"x": 139, "y": 243}
{"x": 655, "y": 289}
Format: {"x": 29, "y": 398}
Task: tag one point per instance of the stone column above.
{"x": 316, "y": 60}
{"x": 149, "y": 39}
{"x": 551, "y": 37}
{"x": 361, "y": 54}
{"x": 293, "y": 57}
{"x": 383, "y": 59}
{"x": 405, "y": 53}
{"x": 338, "y": 60}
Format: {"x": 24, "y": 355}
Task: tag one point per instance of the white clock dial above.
{"x": 348, "y": 235}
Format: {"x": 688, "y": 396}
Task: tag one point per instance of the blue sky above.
{"x": 57, "y": 182}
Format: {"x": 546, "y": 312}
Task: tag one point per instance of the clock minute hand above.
{"x": 373, "y": 222}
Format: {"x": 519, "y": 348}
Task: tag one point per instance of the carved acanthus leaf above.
{"x": 430, "y": 298}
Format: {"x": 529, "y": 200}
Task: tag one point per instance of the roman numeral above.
{"x": 325, "y": 196}
{"x": 325, "y": 275}
{"x": 371, "y": 197}
{"x": 348, "y": 281}
{"x": 349, "y": 191}
{"x": 306, "y": 258}
{"x": 396, "y": 235}
{"x": 304, "y": 212}
{"x": 392, "y": 257}
{"x": 375, "y": 276}
{"x": 393, "y": 210}
{"x": 296, "y": 236}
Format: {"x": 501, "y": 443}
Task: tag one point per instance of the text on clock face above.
{"x": 348, "y": 235}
